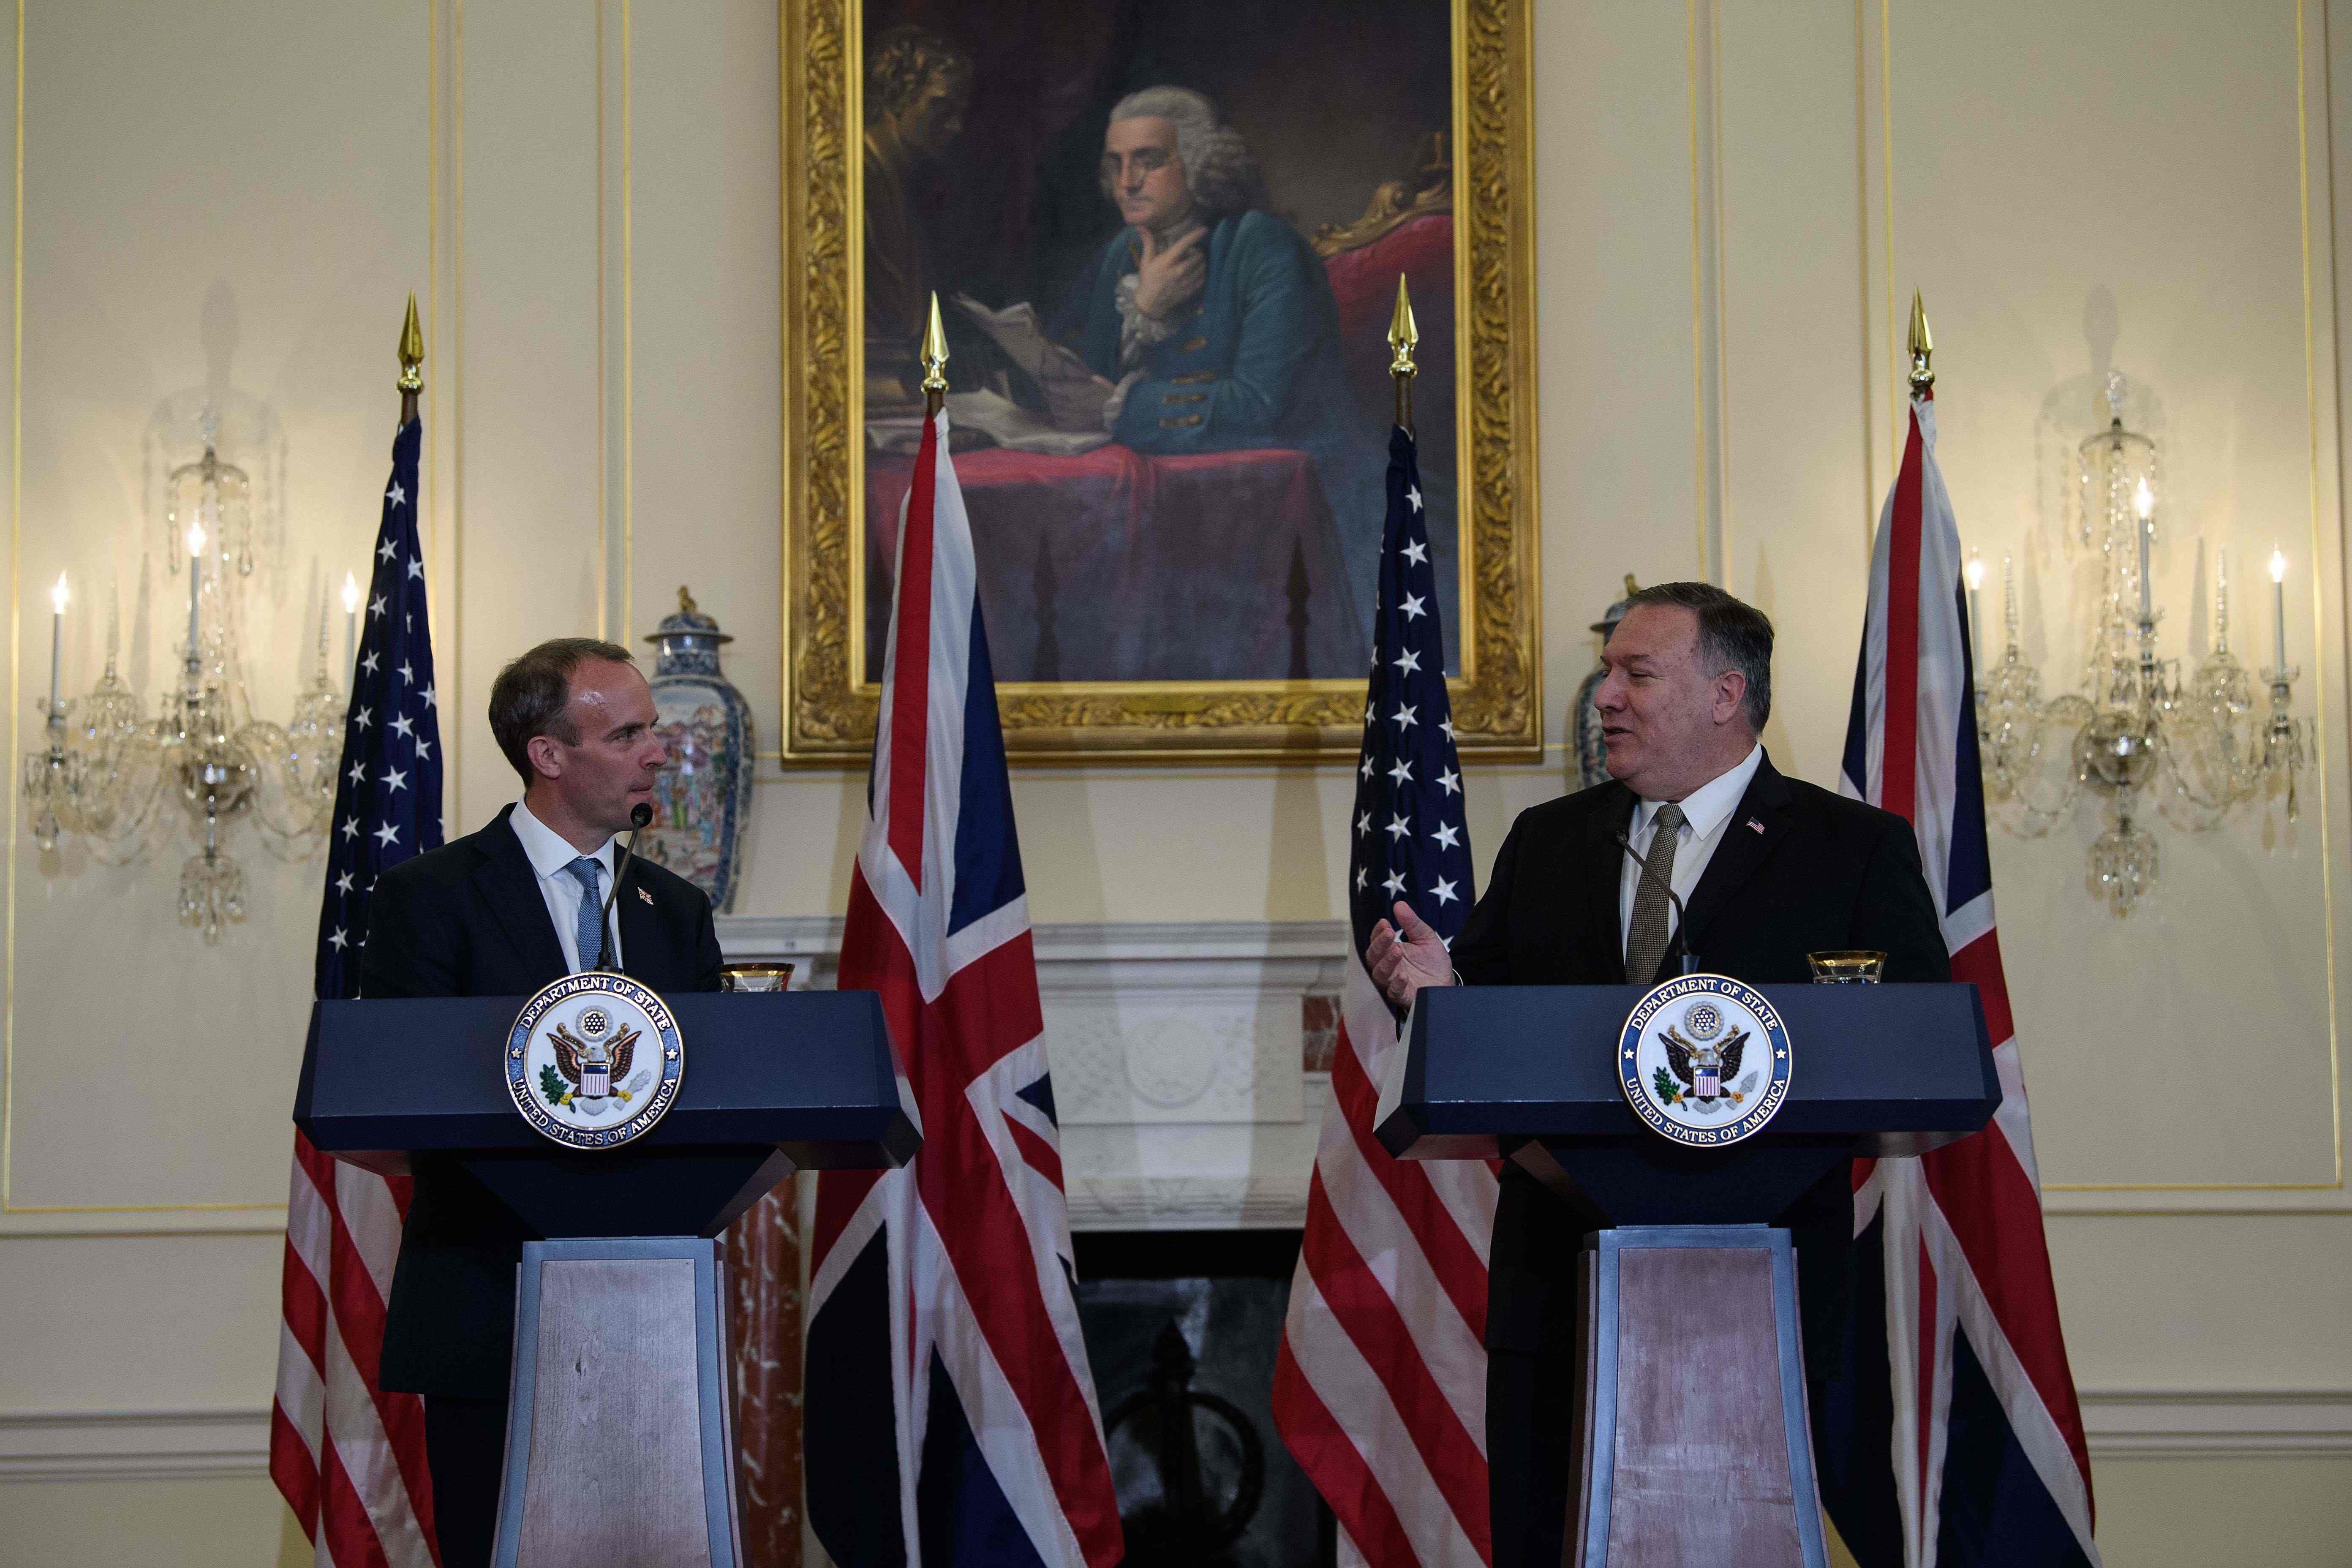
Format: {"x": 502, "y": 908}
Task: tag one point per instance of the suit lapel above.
{"x": 644, "y": 950}
{"x": 510, "y": 888}
{"x": 1742, "y": 850}
{"x": 1601, "y": 873}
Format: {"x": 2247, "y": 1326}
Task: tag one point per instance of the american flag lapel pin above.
{"x": 1754, "y": 826}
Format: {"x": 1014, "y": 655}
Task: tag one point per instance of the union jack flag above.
{"x": 1958, "y": 1375}
{"x": 349, "y": 1456}
{"x": 946, "y": 1376}
{"x": 1379, "y": 1387}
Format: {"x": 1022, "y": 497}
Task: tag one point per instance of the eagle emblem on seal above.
{"x": 592, "y": 1067}
{"x": 1702, "y": 1064}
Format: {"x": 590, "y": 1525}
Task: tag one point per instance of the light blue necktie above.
{"x": 591, "y": 942}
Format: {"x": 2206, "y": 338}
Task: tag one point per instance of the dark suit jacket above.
{"x": 1825, "y": 872}
{"x": 467, "y": 920}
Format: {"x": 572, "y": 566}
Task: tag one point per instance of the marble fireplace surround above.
{"x": 1190, "y": 1059}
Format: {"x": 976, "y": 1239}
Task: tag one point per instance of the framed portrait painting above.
{"x": 1166, "y": 239}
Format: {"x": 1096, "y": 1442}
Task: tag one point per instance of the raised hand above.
{"x": 1168, "y": 275}
{"x": 1401, "y": 964}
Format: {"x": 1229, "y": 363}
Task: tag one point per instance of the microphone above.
{"x": 642, "y": 814}
{"x": 1689, "y": 959}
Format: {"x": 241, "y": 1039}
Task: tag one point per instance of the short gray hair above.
{"x": 1732, "y": 635}
{"x": 1220, "y": 170}
{"x": 532, "y": 696}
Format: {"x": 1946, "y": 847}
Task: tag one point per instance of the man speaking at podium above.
{"x": 1768, "y": 868}
{"x": 503, "y": 912}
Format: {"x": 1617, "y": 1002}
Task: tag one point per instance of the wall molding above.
{"x": 2123, "y": 1424}
{"x": 2218, "y": 1423}
{"x": 1063, "y": 941}
{"x": 133, "y": 1444}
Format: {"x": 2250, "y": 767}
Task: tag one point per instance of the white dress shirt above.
{"x": 1707, "y": 815}
{"x": 549, "y": 853}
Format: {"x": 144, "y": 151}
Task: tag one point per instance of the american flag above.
{"x": 350, "y": 1456}
{"x": 1379, "y": 1387}
{"x": 1957, "y": 1432}
{"x": 945, "y": 1369}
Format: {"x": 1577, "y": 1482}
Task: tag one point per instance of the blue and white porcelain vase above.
{"x": 702, "y": 799}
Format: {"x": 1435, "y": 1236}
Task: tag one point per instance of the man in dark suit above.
{"x": 503, "y": 912}
{"x": 1769, "y": 869}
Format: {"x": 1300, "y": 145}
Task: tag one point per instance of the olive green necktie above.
{"x": 1645, "y": 946}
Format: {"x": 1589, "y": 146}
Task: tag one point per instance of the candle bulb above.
{"x": 2221, "y": 600}
{"x": 350, "y": 622}
{"x": 2144, "y": 503}
{"x": 2278, "y": 613}
{"x": 1974, "y": 572}
{"x": 195, "y": 580}
{"x": 57, "y": 597}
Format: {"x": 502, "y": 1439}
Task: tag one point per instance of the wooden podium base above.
{"x": 1691, "y": 1422}
{"x": 620, "y": 1444}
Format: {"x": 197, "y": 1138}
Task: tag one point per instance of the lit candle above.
{"x": 2143, "y": 502}
{"x": 351, "y": 621}
{"x": 2278, "y": 610}
{"x": 196, "y": 581}
{"x": 1974, "y": 572}
{"x": 58, "y": 596}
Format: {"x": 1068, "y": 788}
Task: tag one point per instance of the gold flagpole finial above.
{"x": 412, "y": 349}
{"x": 935, "y": 359}
{"x": 1402, "y": 335}
{"x": 1923, "y": 346}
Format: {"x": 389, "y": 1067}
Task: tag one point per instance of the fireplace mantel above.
{"x": 1179, "y": 1078}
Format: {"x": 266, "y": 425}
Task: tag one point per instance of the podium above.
{"x": 620, "y": 1441}
{"x": 1693, "y": 1440}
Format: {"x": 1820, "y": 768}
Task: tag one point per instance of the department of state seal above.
{"x": 594, "y": 1060}
{"x": 1703, "y": 1060}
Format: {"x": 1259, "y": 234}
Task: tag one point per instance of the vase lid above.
{"x": 1607, "y": 623}
{"x": 689, "y": 622}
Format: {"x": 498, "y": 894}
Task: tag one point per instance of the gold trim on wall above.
{"x": 2321, "y": 683}
{"x": 15, "y": 614}
{"x": 616, "y": 603}
{"x": 829, "y": 713}
{"x": 1898, "y": 428}
{"x": 210, "y": 1218}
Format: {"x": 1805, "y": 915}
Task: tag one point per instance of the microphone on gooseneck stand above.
{"x": 638, "y": 817}
{"x": 1682, "y": 946}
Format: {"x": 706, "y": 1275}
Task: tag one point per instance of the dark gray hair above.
{"x": 1219, "y": 168}
{"x": 532, "y": 695}
{"x": 1732, "y": 635}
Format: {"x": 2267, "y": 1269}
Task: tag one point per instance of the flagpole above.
{"x": 1403, "y": 337}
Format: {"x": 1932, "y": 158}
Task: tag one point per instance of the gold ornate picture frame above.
{"x": 830, "y": 703}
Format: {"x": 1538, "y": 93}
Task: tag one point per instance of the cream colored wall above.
{"x": 1733, "y": 204}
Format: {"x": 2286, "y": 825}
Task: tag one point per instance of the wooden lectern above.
{"x": 620, "y": 1443}
{"x": 1693, "y": 1435}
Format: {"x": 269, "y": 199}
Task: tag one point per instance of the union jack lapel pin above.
{"x": 650, "y": 898}
{"x": 1754, "y": 826}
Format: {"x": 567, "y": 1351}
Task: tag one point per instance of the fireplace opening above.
{"x": 1181, "y": 1329}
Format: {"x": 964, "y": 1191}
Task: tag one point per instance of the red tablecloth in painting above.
{"x": 1117, "y": 566}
